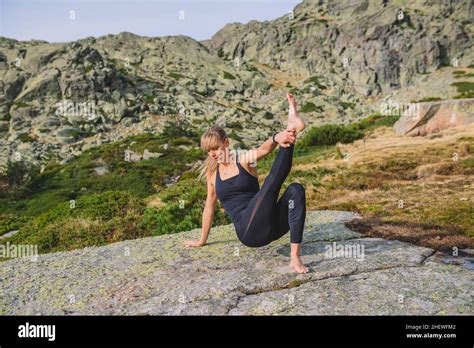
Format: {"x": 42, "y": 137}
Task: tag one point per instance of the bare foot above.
{"x": 294, "y": 120}
{"x": 297, "y": 265}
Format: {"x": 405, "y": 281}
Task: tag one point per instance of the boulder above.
{"x": 432, "y": 117}
{"x": 349, "y": 275}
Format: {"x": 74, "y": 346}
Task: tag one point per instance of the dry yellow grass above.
{"x": 419, "y": 189}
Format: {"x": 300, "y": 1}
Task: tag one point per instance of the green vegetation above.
{"x": 315, "y": 81}
{"x": 182, "y": 208}
{"x": 220, "y": 52}
{"x": 30, "y": 193}
{"x": 10, "y": 222}
{"x": 426, "y": 99}
{"x": 149, "y": 99}
{"x": 464, "y": 76}
{"x": 228, "y": 76}
{"x": 250, "y": 67}
{"x": 332, "y": 134}
{"x": 20, "y": 104}
{"x": 347, "y": 105}
{"x": 464, "y": 86}
{"x": 25, "y": 138}
{"x": 176, "y": 75}
{"x": 90, "y": 220}
{"x": 311, "y": 107}
{"x": 465, "y": 89}
{"x": 374, "y": 121}
{"x": 70, "y": 206}
{"x": 376, "y": 185}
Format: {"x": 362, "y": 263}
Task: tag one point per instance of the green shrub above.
{"x": 310, "y": 107}
{"x": 330, "y": 135}
{"x": 464, "y": 87}
{"x": 19, "y": 173}
{"x": 374, "y": 121}
{"x": 11, "y": 222}
{"x": 315, "y": 80}
{"x": 347, "y": 105}
{"x": 94, "y": 220}
{"x": 228, "y": 76}
{"x": 176, "y": 75}
{"x": 464, "y": 76}
{"x": 426, "y": 99}
{"x": 220, "y": 52}
{"x": 182, "y": 210}
{"x": 149, "y": 99}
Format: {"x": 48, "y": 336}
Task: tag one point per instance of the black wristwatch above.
{"x": 273, "y": 138}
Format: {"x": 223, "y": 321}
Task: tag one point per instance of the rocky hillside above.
{"x": 58, "y": 99}
{"x": 158, "y": 276}
{"x": 372, "y": 46}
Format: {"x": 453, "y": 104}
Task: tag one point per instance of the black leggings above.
{"x": 267, "y": 219}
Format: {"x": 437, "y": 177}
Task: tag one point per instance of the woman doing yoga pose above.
{"x": 258, "y": 215}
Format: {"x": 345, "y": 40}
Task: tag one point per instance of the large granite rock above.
{"x": 158, "y": 276}
{"x": 432, "y": 117}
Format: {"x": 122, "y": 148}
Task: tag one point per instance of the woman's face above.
{"x": 220, "y": 152}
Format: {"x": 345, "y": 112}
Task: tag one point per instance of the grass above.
{"x": 465, "y": 89}
{"x": 176, "y": 76}
{"x": 45, "y": 192}
{"x": 436, "y": 210}
{"x": 20, "y": 104}
{"x": 362, "y": 167}
{"x": 463, "y": 86}
{"x": 93, "y": 220}
{"x": 315, "y": 81}
{"x": 347, "y": 105}
{"x": 228, "y": 76}
{"x": 148, "y": 99}
{"x": 25, "y": 138}
{"x": 426, "y": 99}
{"x": 310, "y": 107}
{"x": 330, "y": 135}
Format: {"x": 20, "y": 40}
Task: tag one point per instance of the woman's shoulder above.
{"x": 250, "y": 167}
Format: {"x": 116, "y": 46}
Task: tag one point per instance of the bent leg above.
{"x": 291, "y": 213}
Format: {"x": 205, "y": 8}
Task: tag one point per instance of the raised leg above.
{"x": 295, "y": 122}
{"x": 261, "y": 208}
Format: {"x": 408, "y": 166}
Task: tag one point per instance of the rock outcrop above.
{"x": 335, "y": 56}
{"x": 157, "y": 276}
{"x": 373, "y": 46}
{"x": 427, "y": 118}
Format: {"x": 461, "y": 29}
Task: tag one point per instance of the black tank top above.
{"x": 236, "y": 192}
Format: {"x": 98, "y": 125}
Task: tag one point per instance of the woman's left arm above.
{"x": 284, "y": 138}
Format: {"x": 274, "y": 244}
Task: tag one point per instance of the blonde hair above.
{"x": 211, "y": 140}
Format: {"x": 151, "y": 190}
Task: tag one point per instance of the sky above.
{"x": 69, "y": 20}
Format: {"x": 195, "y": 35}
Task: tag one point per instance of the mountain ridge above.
{"x": 130, "y": 78}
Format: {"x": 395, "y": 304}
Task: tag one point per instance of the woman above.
{"x": 257, "y": 214}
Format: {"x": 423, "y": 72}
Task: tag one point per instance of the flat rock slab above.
{"x": 349, "y": 275}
